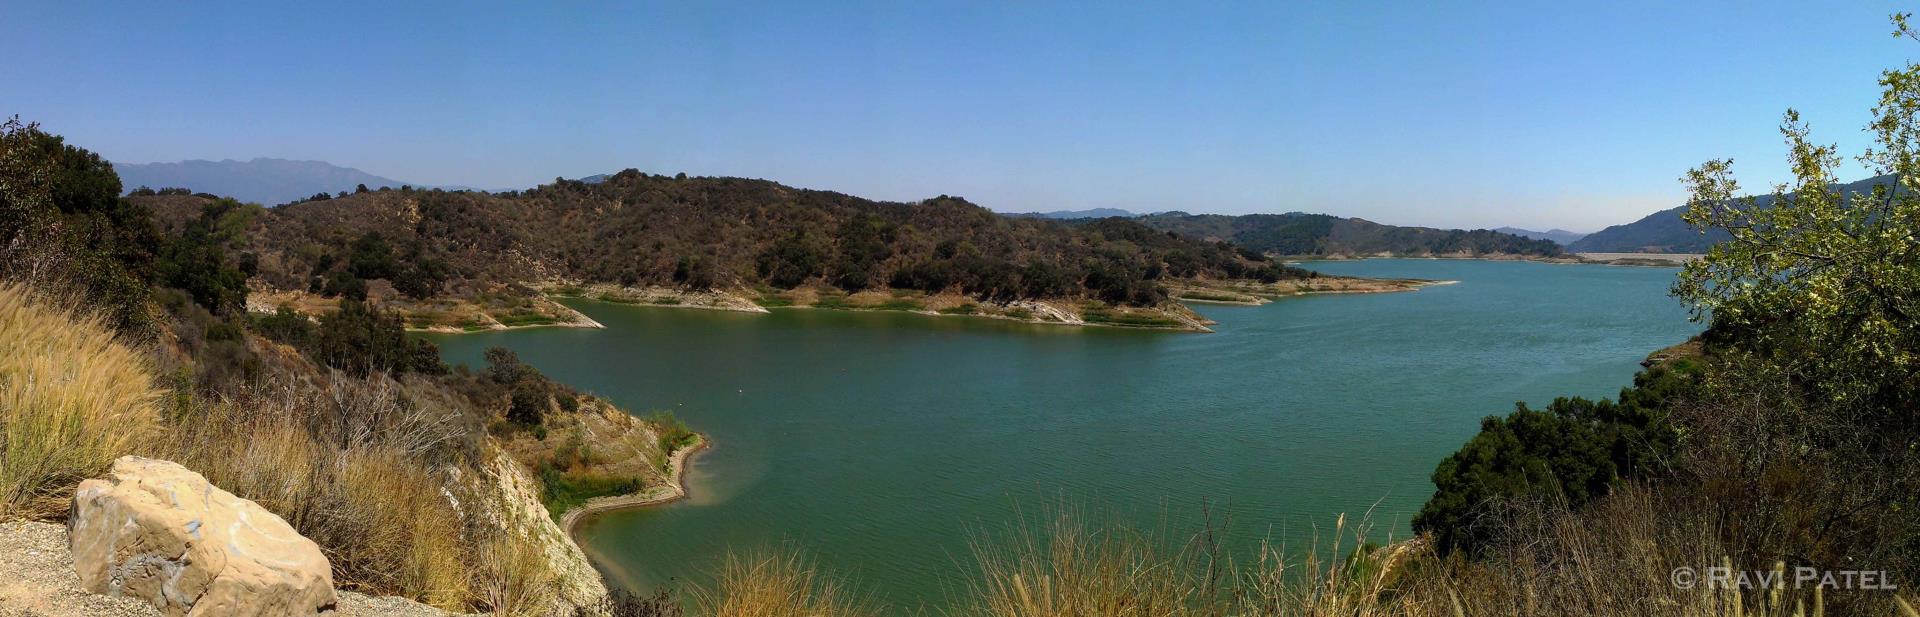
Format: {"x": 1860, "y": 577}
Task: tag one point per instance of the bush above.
{"x": 1572, "y": 452}
{"x": 527, "y": 406}
{"x": 71, "y": 400}
{"x": 287, "y": 326}
{"x": 672, "y": 432}
{"x": 562, "y": 491}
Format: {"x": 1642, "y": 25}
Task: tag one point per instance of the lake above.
{"x": 881, "y": 442}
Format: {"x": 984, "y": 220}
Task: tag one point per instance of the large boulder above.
{"x": 157, "y": 531}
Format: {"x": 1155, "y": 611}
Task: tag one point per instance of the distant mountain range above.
{"x": 1297, "y": 233}
{"x": 265, "y": 181}
{"x": 1664, "y": 232}
{"x": 1561, "y": 236}
{"x": 1095, "y": 213}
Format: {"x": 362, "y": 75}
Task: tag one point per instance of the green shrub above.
{"x": 562, "y": 491}
{"x": 1573, "y": 451}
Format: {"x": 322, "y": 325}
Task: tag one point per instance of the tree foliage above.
{"x": 64, "y": 224}
{"x": 1572, "y": 452}
{"x": 1822, "y": 280}
{"x": 360, "y": 340}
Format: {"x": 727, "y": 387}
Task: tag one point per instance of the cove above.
{"x": 880, "y": 442}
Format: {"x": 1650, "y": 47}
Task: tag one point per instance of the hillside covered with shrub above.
{"x": 120, "y": 336}
{"x": 637, "y": 230}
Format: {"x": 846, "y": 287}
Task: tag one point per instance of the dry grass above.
{"x": 777, "y": 583}
{"x": 1067, "y": 568}
{"x": 1615, "y": 559}
{"x": 71, "y": 400}
{"x": 346, "y": 464}
{"x": 1070, "y": 569}
{"x": 513, "y": 578}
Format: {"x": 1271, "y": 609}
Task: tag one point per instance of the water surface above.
{"x": 877, "y": 441}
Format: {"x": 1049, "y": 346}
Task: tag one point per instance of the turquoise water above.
{"x": 880, "y": 442}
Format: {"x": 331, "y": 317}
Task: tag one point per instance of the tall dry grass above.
{"x": 513, "y": 578}
{"x": 72, "y": 398}
{"x": 1069, "y": 568}
{"x": 348, "y": 463}
{"x": 778, "y": 583}
{"x": 1614, "y": 559}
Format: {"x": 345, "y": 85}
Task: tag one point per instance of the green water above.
{"x": 879, "y": 441}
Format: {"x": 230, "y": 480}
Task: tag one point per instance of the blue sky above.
{"x": 1529, "y": 114}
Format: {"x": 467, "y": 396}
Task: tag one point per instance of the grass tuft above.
{"x": 777, "y": 584}
{"x": 72, "y": 398}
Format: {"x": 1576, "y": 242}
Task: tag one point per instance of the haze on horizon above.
{"x": 1538, "y": 117}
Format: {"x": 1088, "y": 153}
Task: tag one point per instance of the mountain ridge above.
{"x": 1298, "y": 233}
{"x": 1561, "y": 236}
{"x": 262, "y": 180}
{"x": 1665, "y": 232}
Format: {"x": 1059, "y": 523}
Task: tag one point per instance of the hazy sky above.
{"x": 1469, "y": 116}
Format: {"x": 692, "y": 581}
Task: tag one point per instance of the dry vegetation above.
{"x": 347, "y": 463}
{"x": 72, "y": 398}
{"x": 367, "y": 467}
{"x": 778, "y": 583}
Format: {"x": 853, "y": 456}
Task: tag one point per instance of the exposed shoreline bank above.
{"x": 1174, "y": 317}
{"x": 676, "y": 489}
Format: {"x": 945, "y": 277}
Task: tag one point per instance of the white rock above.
{"x": 157, "y": 531}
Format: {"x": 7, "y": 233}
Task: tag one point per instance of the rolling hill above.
{"x": 636, "y": 229}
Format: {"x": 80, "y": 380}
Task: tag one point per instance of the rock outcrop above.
{"x": 157, "y": 531}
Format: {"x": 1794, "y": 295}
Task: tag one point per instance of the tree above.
{"x": 196, "y": 261}
{"x": 63, "y": 222}
{"x": 372, "y": 258}
{"x": 1824, "y": 281}
{"x": 527, "y": 406}
{"x": 361, "y": 340}
{"x": 792, "y": 260}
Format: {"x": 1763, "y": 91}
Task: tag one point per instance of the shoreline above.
{"x": 1186, "y": 324}
{"x": 676, "y": 490}
{"x": 736, "y": 303}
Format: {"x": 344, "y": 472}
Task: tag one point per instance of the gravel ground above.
{"x": 37, "y": 580}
